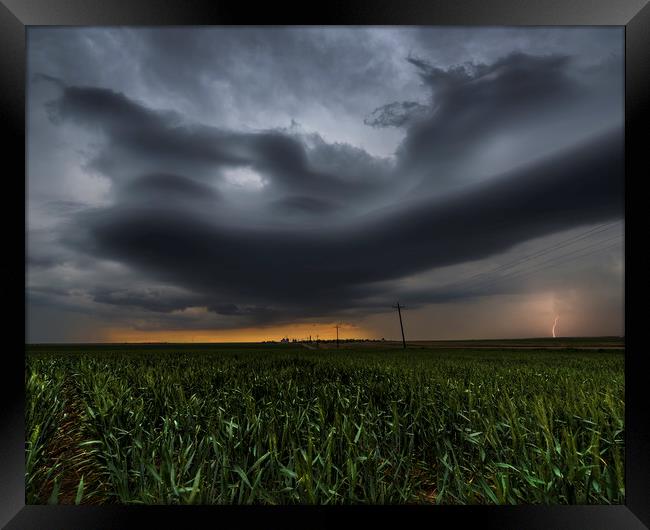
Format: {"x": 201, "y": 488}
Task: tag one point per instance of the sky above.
{"x": 250, "y": 183}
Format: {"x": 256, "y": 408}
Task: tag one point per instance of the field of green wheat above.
{"x": 287, "y": 425}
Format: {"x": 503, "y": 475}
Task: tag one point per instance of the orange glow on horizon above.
{"x": 301, "y": 331}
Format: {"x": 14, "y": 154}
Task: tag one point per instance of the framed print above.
{"x": 358, "y": 263}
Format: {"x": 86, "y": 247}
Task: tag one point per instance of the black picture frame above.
{"x": 16, "y": 15}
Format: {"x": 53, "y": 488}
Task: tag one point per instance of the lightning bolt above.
{"x": 555, "y": 324}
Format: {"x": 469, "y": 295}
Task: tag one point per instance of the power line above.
{"x": 489, "y": 281}
{"x": 483, "y": 276}
{"x": 557, "y": 260}
{"x": 571, "y": 258}
{"x": 574, "y": 251}
{"x": 554, "y": 247}
{"x": 561, "y": 244}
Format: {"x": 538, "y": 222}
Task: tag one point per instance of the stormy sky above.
{"x": 250, "y": 183}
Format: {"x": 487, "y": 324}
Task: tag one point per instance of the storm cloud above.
{"x": 283, "y": 223}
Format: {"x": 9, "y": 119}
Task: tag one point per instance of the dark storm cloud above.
{"x": 41, "y": 260}
{"x": 261, "y": 223}
{"x": 304, "y": 204}
{"x": 163, "y": 188}
{"x": 135, "y": 130}
{"x": 141, "y": 140}
{"x": 397, "y": 114}
{"x": 45, "y": 250}
{"x": 149, "y": 299}
{"x": 272, "y": 67}
{"x": 64, "y": 208}
{"x": 352, "y": 164}
{"x": 472, "y": 104}
{"x": 488, "y": 95}
{"x": 334, "y": 265}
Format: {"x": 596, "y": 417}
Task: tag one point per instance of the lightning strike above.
{"x": 555, "y": 325}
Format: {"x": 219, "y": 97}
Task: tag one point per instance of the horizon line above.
{"x": 593, "y": 337}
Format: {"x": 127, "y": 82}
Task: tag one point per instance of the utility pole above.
{"x": 337, "y": 335}
{"x": 399, "y": 312}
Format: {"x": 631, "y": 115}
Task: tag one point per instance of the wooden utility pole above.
{"x": 399, "y": 312}
{"x": 337, "y": 335}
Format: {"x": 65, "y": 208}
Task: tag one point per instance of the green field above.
{"x": 279, "y": 424}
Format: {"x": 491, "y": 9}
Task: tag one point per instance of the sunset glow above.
{"x": 301, "y": 332}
